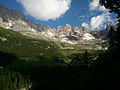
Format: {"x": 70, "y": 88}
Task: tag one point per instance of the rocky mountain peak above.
{"x": 15, "y": 20}
{"x": 66, "y": 28}
{"x": 14, "y": 17}
{"x": 7, "y": 14}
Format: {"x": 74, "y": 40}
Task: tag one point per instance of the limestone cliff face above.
{"x": 15, "y": 20}
{"x": 13, "y": 17}
{"x": 7, "y": 14}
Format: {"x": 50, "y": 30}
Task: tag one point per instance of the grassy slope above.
{"x": 55, "y": 78}
{"x": 27, "y": 48}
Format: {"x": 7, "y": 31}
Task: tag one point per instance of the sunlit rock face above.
{"x": 11, "y": 18}
{"x": 7, "y": 14}
{"x": 15, "y": 20}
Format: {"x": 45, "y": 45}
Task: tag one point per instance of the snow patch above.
{"x": 65, "y": 40}
{"x": 88, "y": 36}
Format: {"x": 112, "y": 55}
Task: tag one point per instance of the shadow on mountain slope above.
{"x": 6, "y": 59}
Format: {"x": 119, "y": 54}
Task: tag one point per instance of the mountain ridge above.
{"x": 8, "y": 14}
{"x": 15, "y": 20}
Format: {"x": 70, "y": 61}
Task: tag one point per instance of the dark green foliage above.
{"x": 13, "y": 81}
{"x": 7, "y": 59}
{"x": 113, "y": 6}
{"x": 86, "y": 59}
{"x": 112, "y": 37}
{"x": 107, "y": 66}
{"x": 114, "y": 34}
{"x": 46, "y": 68}
{"x": 20, "y": 54}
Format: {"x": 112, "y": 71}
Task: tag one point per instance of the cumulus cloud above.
{"x": 85, "y": 24}
{"x": 98, "y": 21}
{"x": 46, "y": 9}
{"x": 94, "y": 5}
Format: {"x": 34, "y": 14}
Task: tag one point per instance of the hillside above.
{"x": 27, "y": 48}
{"x": 42, "y": 62}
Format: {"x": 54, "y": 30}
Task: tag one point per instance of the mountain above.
{"x": 10, "y": 16}
{"x": 15, "y": 20}
{"x": 75, "y": 35}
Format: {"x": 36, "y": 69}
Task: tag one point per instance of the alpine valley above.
{"x": 38, "y": 57}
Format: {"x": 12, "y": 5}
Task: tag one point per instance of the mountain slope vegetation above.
{"x": 42, "y": 61}
{"x": 26, "y": 48}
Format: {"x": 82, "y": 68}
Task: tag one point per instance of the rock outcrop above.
{"x": 15, "y": 20}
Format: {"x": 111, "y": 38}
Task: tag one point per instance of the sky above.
{"x": 56, "y": 13}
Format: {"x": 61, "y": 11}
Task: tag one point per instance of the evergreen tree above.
{"x": 114, "y": 6}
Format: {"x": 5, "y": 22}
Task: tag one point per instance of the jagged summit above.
{"x": 9, "y": 16}
{"x": 15, "y": 20}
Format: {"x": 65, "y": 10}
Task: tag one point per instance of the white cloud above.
{"x": 85, "y": 25}
{"x": 46, "y": 9}
{"x": 102, "y": 8}
{"x": 99, "y": 21}
{"x": 94, "y": 5}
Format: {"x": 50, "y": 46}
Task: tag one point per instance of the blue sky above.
{"x": 76, "y": 12}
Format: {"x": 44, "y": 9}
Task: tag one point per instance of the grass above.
{"x": 43, "y": 62}
{"x": 26, "y": 47}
